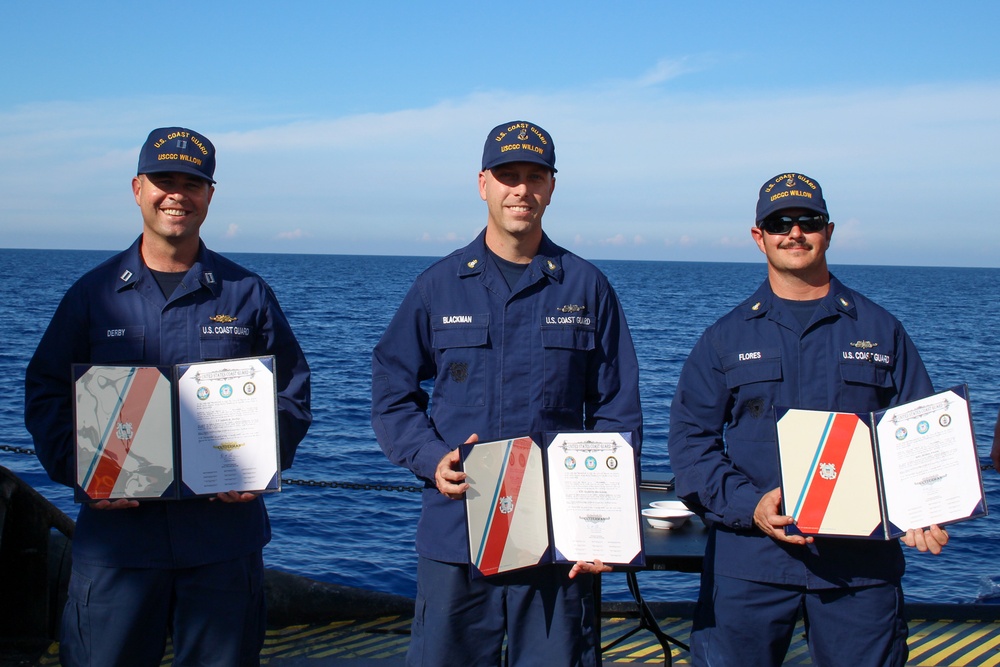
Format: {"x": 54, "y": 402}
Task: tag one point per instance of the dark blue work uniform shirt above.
{"x": 853, "y": 356}
{"x": 117, "y": 314}
{"x": 552, "y": 354}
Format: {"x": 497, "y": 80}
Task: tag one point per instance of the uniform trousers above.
{"x": 459, "y": 621}
{"x": 741, "y": 622}
{"x": 215, "y": 614}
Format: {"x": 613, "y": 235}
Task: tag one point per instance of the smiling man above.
{"x": 193, "y": 567}
{"x": 484, "y": 325}
{"x": 786, "y": 345}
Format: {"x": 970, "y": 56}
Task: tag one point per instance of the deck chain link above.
{"x": 337, "y": 485}
{"x": 290, "y": 482}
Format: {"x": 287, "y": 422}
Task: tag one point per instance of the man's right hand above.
{"x": 449, "y": 480}
{"x": 769, "y": 519}
{"x": 120, "y": 504}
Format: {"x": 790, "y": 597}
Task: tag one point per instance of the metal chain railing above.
{"x": 291, "y": 482}
{"x": 352, "y": 485}
{"x": 340, "y": 485}
{"x": 17, "y": 450}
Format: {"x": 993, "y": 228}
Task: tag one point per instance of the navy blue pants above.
{"x": 122, "y": 616}
{"x": 749, "y": 623}
{"x": 547, "y": 617}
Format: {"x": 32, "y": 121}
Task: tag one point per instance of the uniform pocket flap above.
{"x": 464, "y": 335}
{"x": 748, "y": 367}
{"x": 568, "y": 338}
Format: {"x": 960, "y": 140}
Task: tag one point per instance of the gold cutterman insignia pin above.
{"x": 472, "y": 264}
{"x": 864, "y": 344}
{"x": 222, "y": 319}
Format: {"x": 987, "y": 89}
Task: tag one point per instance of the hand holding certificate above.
{"x": 563, "y": 498}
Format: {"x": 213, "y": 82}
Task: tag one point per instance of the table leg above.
{"x": 648, "y": 622}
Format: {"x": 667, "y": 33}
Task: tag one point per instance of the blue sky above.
{"x": 357, "y": 128}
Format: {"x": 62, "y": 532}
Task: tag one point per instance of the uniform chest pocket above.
{"x": 117, "y": 344}
{"x": 218, "y": 347}
{"x": 461, "y": 362}
{"x": 744, "y": 368}
{"x": 565, "y": 355}
{"x": 868, "y": 374}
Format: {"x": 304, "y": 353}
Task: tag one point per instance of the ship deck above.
{"x": 952, "y": 635}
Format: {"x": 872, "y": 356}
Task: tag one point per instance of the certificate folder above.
{"x": 552, "y": 498}
{"x": 879, "y": 474}
{"x": 154, "y": 432}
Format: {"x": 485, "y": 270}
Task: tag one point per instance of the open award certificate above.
{"x": 552, "y": 498}
{"x": 146, "y": 432}
{"x": 877, "y": 475}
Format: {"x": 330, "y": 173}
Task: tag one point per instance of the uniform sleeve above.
{"x": 401, "y": 360}
{"x": 612, "y": 401}
{"x": 909, "y": 374}
{"x": 704, "y": 474}
{"x": 48, "y": 387}
{"x": 292, "y": 377}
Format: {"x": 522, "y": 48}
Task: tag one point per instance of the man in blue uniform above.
{"x": 142, "y": 569}
{"x": 484, "y": 324}
{"x": 786, "y": 346}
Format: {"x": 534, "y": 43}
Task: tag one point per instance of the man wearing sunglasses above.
{"x": 793, "y": 343}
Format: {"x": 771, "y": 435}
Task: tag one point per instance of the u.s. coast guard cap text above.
{"x": 519, "y": 141}
{"x": 177, "y": 149}
{"x": 790, "y": 191}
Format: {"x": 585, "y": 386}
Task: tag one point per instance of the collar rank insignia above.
{"x": 755, "y": 307}
{"x": 572, "y": 309}
{"x": 222, "y": 319}
{"x": 864, "y": 344}
{"x": 209, "y": 278}
{"x": 125, "y": 276}
{"x": 843, "y": 302}
{"x": 552, "y": 265}
{"x": 472, "y": 264}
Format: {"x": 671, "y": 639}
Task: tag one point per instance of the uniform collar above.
{"x": 132, "y": 269}
{"x": 838, "y": 299}
{"x": 547, "y": 261}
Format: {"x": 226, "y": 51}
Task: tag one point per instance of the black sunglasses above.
{"x": 782, "y": 224}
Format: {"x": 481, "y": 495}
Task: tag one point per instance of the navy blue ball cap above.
{"x": 519, "y": 141}
{"x": 790, "y": 191}
{"x": 177, "y": 149}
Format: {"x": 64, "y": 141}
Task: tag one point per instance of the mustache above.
{"x": 796, "y": 244}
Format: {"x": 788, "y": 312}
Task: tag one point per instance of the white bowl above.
{"x": 669, "y": 505}
{"x": 659, "y": 517}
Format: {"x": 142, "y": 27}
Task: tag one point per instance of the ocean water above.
{"x": 339, "y": 305}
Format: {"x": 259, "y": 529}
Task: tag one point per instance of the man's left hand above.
{"x": 586, "y": 567}
{"x": 234, "y": 497}
{"x": 932, "y": 540}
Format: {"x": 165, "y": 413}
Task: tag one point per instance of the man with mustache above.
{"x": 787, "y": 345}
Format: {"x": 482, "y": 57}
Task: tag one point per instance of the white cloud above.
{"x": 293, "y": 235}
{"x": 663, "y": 71}
{"x": 674, "y": 171}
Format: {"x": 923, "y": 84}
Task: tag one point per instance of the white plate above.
{"x": 668, "y": 519}
{"x": 669, "y": 505}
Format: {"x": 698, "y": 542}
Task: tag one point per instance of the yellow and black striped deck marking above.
{"x": 933, "y": 643}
